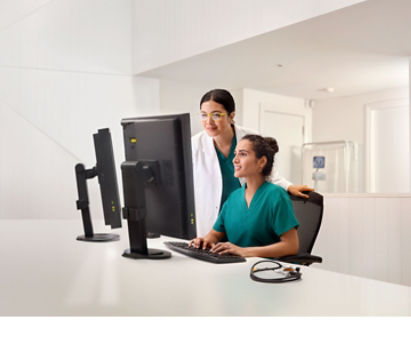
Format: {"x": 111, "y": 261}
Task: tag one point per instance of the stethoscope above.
{"x": 287, "y": 273}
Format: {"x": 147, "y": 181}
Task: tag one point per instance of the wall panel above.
{"x": 367, "y": 235}
{"x": 65, "y": 71}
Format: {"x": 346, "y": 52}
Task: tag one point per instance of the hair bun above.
{"x": 272, "y": 142}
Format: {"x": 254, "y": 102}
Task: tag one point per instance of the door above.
{"x": 288, "y": 129}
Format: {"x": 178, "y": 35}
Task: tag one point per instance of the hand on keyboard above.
{"x": 207, "y": 241}
{"x": 203, "y": 254}
{"x": 211, "y": 241}
{"x": 202, "y": 242}
{"x": 224, "y": 248}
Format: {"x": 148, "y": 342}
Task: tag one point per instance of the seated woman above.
{"x": 258, "y": 218}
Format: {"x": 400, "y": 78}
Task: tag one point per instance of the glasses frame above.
{"x": 212, "y": 115}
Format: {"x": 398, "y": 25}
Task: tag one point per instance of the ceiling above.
{"x": 359, "y": 49}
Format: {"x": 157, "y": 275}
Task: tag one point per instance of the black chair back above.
{"x": 309, "y": 213}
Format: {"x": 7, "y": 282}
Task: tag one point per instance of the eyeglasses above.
{"x": 214, "y": 115}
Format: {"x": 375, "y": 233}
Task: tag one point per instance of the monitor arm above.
{"x": 82, "y": 175}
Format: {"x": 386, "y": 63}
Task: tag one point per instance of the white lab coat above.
{"x": 208, "y": 183}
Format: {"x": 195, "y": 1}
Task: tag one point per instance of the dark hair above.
{"x": 220, "y": 96}
{"x": 264, "y": 146}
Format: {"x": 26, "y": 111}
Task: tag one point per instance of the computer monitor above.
{"x": 157, "y": 181}
{"x": 106, "y": 172}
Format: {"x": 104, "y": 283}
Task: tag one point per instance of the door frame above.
{"x": 304, "y": 114}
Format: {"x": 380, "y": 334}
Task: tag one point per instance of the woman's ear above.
{"x": 231, "y": 117}
{"x": 262, "y": 162}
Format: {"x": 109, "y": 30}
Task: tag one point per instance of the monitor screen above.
{"x": 161, "y": 145}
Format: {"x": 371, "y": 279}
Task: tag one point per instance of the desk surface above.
{"x": 45, "y": 271}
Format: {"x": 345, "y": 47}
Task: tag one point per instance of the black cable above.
{"x": 289, "y": 275}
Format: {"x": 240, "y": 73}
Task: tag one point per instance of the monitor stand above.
{"x": 82, "y": 174}
{"x": 135, "y": 175}
{"x": 151, "y": 254}
{"x": 99, "y": 237}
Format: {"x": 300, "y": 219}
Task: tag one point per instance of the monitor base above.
{"x": 152, "y": 254}
{"x": 99, "y": 237}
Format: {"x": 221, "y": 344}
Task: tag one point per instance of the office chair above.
{"x": 309, "y": 213}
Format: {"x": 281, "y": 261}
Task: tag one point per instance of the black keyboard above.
{"x": 203, "y": 254}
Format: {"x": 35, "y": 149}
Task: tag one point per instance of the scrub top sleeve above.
{"x": 284, "y": 218}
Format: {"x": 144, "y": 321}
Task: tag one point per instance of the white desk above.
{"x": 45, "y": 271}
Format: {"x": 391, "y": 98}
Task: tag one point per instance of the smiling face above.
{"x": 245, "y": 161}
{"x": 215, "y": 127}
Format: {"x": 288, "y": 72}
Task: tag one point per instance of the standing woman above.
{"x": 213, "y": 153}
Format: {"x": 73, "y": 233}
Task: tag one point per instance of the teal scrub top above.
{"x": 230, "y": 182}
{"x": 269, "y": 216}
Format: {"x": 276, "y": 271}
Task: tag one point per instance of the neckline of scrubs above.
{"x": 257, "y": 193}
{"x": 230, "y": 153}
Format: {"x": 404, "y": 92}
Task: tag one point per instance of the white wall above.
{"x": 171, "y": 30}
{"x": 73, "y": 35}
{"x": 284, "y": 118}
{"x": 367, "y": 235}
{"x": 65, "y": 71}
{"x": 387, "y": 147}
{"x": 12, "y": 11}
{"x": 344, "y": 119}
{"x": 253, "y": 99}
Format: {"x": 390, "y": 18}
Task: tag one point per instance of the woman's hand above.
{"x": 208, "y": 240}
{"x": 202, "y": 242}
{"x": 227, "y": 247}
{"x": 297, "y": 190}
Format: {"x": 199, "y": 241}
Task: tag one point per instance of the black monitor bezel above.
{"x": 107, "y": 177}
